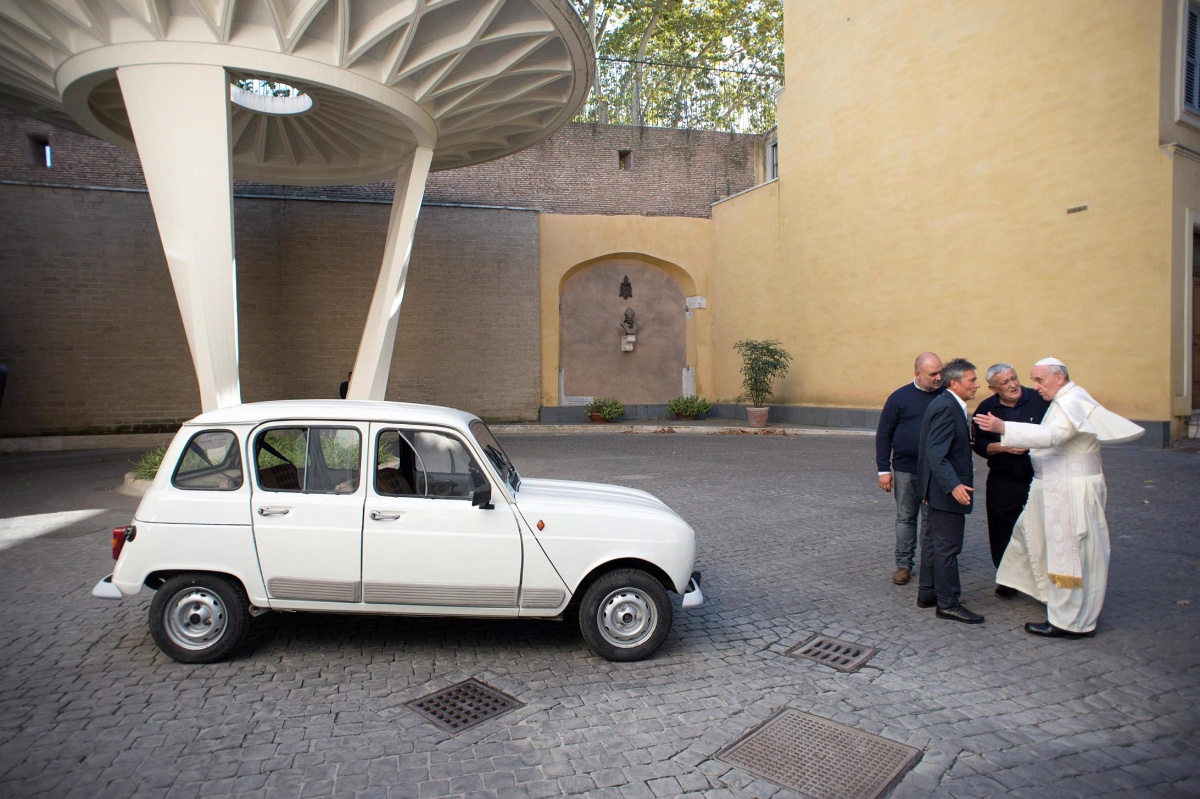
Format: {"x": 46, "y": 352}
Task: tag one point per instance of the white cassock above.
{"x": 1059, "y": 550}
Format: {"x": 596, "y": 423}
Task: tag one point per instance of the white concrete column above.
{"x": 180, "y": 119}
{"x": 374, "y": 360}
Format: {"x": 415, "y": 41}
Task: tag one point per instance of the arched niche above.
{"x": 591, "y": 312}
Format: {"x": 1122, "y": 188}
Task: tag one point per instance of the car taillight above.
{"x": 119, "y": 536}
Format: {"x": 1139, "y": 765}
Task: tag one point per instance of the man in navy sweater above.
{"x": 896, "y": 443}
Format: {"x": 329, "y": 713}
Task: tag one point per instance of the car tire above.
{"x": 199, "y": 618}
{"x": 625, "y": 615}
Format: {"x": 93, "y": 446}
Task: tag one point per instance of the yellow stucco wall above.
{"x": 743, "y": 303}
{"x": 682, "y": 247}
{"x": 928, "y": 155}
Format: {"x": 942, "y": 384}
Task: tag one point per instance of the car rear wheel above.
{"x": 199, "y": 618}
{"x": 625, "y": 615}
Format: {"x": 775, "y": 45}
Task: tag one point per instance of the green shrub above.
{"x": 762, "y": 362}
{"x": 608, "y": 407}
{"x": 146, "y": 467}
{"x": 689, "y": 406}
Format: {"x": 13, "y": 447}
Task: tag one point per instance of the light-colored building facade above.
{"x": 998, "y": 181}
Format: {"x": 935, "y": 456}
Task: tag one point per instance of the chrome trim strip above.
{"x": 460, "y": 596}
{"x": 314, "y": 590}
{"x": 542, "y": 597}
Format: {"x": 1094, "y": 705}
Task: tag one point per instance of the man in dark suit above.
{"x": 945, "y": 475}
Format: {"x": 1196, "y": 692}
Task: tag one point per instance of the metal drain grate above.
{"x": 464, "y": 705}
{"x": 833, "y": 652}
{"x": 820, "y": 758}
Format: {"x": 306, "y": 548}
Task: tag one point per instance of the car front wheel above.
{"x": 199, "y": 618}
{"x": 625, "y": 615}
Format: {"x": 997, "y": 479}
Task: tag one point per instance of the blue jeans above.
{"x": 908, "y": 515}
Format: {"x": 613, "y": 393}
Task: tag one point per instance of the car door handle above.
{"x": 380, "y": 516}
{"x": 274, "y": 511}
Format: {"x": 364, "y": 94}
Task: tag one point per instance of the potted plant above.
{"x": 605, "y": 409}
{"x": 689, "y": 407}
{"x": 762, "y": 362}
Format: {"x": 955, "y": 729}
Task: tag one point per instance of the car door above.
{"x": 307, "y": 506}
{"x": 426, "y": 546}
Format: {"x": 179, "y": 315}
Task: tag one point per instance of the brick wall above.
{"x": 90, "y": 330}
{"x": 575, "y": 171}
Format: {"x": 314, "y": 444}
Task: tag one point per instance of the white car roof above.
{"x": 336, "y": 410}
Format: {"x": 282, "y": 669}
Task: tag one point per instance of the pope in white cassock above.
{"x": 1059, "y": 551}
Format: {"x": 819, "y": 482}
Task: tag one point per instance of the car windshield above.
{"x": 496, "y": 454}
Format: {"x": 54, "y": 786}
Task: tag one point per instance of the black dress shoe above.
{"x": 926, "y": 603}
{"x": 1050, "y": 631}
{"x": 959, "y": 613}
{"x": 1004, "y": 592}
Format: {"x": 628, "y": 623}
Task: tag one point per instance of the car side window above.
{"x": 211, "y": 461}
{"x": 445, "y": 466}
{"x": 395, "y": 466}
{"x": 312, "y": 460}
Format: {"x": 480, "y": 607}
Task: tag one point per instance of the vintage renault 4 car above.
{"x": 383, "y": 507}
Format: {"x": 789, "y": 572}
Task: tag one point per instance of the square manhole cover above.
{"x": 463, "y": 705}
{"x": 833, "y": 652}
{"x": 819, "y": 758}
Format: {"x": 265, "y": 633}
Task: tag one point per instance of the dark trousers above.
{"x": 939, "y": 557}
{"x": 1006, "y": 499}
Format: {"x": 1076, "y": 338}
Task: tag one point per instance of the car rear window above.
{"x": 211, "y": 461}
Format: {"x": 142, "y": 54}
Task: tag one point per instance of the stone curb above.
{"x": 133, "y": 487}
{"x": 61, "y": 443}
{"x": 668, "y": 428}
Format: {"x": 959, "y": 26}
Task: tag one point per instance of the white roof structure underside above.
{"x": 472, "y": 79}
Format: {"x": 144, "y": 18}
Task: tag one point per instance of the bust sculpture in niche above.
{"x": 628, "y": 331}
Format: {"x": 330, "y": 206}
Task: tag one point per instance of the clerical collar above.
{"x": 1067, "y": 386}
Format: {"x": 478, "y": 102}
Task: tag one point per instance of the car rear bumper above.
{"x": 106, "y": 590}
{"x": 693, "y": 597}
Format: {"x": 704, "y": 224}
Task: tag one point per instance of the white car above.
{"x": 280, "y": 506}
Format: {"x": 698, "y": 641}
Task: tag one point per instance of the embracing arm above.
{"x": 1050, "y": 433}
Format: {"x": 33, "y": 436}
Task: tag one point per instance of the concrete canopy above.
{"x": 389, "y": 89}
{"x": 479, "y": 78}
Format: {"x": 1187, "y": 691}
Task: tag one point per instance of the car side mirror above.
{"x": 481, "y": 497}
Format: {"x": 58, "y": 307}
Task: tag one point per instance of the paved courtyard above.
{"x": 794, "y": 539}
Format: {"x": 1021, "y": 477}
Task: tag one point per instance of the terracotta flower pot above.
{"x": 758, "y": 415}
{"x": 596, "y": 417}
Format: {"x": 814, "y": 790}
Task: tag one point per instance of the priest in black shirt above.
{"x": 1009, "y": 469}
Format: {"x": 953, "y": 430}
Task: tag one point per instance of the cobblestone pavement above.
{"x": 794, "y": 539}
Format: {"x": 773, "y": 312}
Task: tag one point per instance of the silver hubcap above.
{"x": 195, "y": 618}
{"x": 626, "y": 617}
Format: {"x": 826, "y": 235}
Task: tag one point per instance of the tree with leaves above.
{"x": 685, "y": 63}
